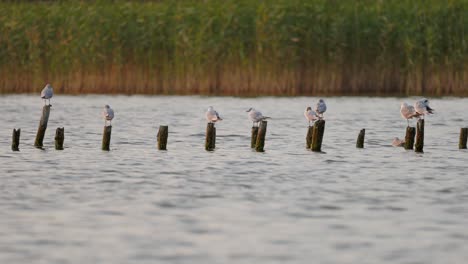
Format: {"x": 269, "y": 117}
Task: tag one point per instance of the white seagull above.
{"x": 422, "y": 107}
{"x": 212, "y": 116}
{"x": 408, "y": 112}
{"x": 320, "y": 108}
{"x": 310, "y": 115}
{"x": 47, "y": 93}
{"x": 108, "y": 114}
{"x": 255, "y": 116}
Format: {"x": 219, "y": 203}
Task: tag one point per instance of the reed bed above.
{"x": 236, "y": 47}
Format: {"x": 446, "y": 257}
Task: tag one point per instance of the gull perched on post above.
{"x": 408, "y": 112}
{"x": 310, "y": 115}
{"x": 108, "y": 114}
{"x": 212, "y": 115}
{"x": 422, "y": 107}
{"x": 47, "y": 93}
{"x": 320, "y": 108}
{"x": 255, "y": 116}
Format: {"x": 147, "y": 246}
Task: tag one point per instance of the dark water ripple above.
{"x": 185, "y": 205}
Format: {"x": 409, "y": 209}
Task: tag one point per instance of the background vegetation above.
{"x": 236, "y": 47}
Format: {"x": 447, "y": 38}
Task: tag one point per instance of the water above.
{"x": 135, "y": 204}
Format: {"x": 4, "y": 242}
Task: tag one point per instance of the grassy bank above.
{"x": 237, "y": 47}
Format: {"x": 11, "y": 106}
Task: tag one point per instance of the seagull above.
{"x": 47, "y": 93}
{"x": 422, "y": 107}
{"x": 108, "y": 114}
{"x": 255, "y": 116}
{"x": 310, "y": 115}
{"x": 408, "y": 112}
{"x": 320, "y": 108}
{"x": 212, "y": 116}
{"x": 398, "y": 142}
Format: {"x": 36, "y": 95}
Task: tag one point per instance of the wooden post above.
{"x": 162, "y": 137}
{"x": 317, "y": 135}
{"x": 15, "y": 139}
{"x": 42, "y": 126}
{"x": 360, "y": 139}
{"x": 106, "y": 137}
{"x": 260, "y": 143}
{"x": 210, "y": 140}
{"x": 310, "y": 131}
{"x": 419, "y": 145}
{"x": 409, "y": 138}
{"x": 463, "y": 138}
{"x": 253, "y": 140}
{"x": 59, "y": 138}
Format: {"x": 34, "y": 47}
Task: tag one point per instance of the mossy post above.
{"x": 463, "y": 138}
{"x": 317, "y": 135}
{"x": 409, "y": 137}
{"x": 59, "y": 138}
{"x": 419, "y": 145}
{"x": 210, "y": 140}
{"x": 163, "y": 133}
{"x": 260, "y": 143}
{"x": 15, "y": 139}
{"x": 253, "y": 140}
{"x": 106, "y": 138}
{"x": 42, "y": 126}
{"x": 360, "y": 139}
{"x": 310, "y": 131}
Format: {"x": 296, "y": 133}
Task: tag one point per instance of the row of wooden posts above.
{"x": 314, "y": 136}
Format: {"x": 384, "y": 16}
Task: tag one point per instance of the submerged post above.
{"x": 260, "y": 143}
{"x": 162, "y": 137}
{"x": 360, "y": 139}
{"x": 59, "y": 138}
{"x": 419, "y": 145}
{"x": 310, "y": 131}
{"x": 15, "y": 139}
{"x": 409, "y": 137}
{"x": 253, "y": 140}
{"x": 210, "y": 140}
{"x": 42, "y": 126}
{"x": 317, "y": 135}
{"x": 463, "y": 138}
{"x": 106, "y": 137}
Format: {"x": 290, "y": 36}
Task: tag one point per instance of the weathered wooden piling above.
{"x": 106, "y": 138}
{"x": 15, "y": 139}
{"x": 463, "y": 138}
{"x": 419, "y": 145}
{"x": 260, "y": 143}
{"x": 59, "y": 138}
{"x": 253, "y": 140}
{"x": 409, "y": 137}
{"x": 210, "y": 140}
{"x": 360, "y": 139}
{"x": 317, "y": 135}
{"x": 310, "y": 131}
{"x": 163, "y": 133}
{"x": 42, "y": 126}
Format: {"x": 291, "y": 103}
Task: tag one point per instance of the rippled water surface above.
{"x": 136, "y": 204}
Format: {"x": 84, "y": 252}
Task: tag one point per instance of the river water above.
{"x": 136, "y": 204}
